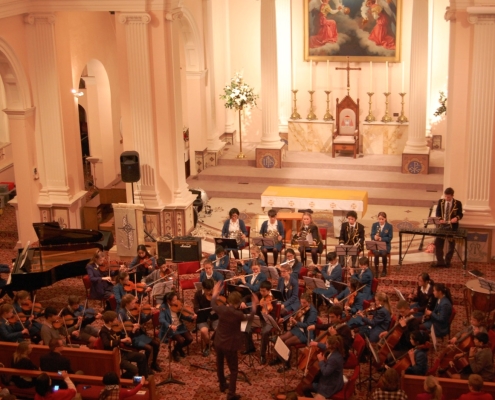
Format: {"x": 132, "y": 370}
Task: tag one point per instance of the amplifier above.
{"x": 186, "y": 248}
{"x": 164, "y": 249}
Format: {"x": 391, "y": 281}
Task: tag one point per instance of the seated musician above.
{"x": 381, "y": 319}
{"x": 101, "y": 283}
{"x": 310, "y": 232}
{"x": 160, "y": 281}
{"x": 418, "y": 354}
{"x": 407, "y": 324}
{"x": 296, "y": 265}
{"x": 130, "y": 311}
{"x": 119, "y": 291}
{"x": 336, "y": 326}
{"x": 365, "y": 277}
{"x": 48, "y": 330}
{"x": 351, "y": 233}
{"x": 476, "y": 325}
{"x": 22, "y": 304}
{"x": 253, "y": 282}
{"x": 330, "y": 379}
{"x": 382, "y": 231}
{"x": 111, "y": 335}
{"x": 206, "y": 320}
{"x": 143, "y": 264}
{"x": 220, "y": 259}
{"x": 331, "y": 273}
{"x": 475, "y": 385}
{"x": 480, "y": 359}
{"x": 299, "y": 332}
{"x": 440, "y": 316}
{"x": 424, "y": 298}
{"x": 209, "y": 273}
{"x": 352, "y": 297}
{"x": 272, "y": 229}
{"x": 12, "y": 331}
{"x": 256, "y": 257}
{"x": 172, "y": 325}
{"x": 289, "y": 286}
{"x": 236, "y": 229}
{"x": 83, "y": 318}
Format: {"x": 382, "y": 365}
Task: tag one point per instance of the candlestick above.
{"x": 370, "y": 117}
{"x": 328, "y": 75}
{"x": 402, "y": 88}
{"x": 386, "y": 117}
{"x": 402, "y": 118}
{"x": 311, "y": 75}
{"x": 295, "y": 114}
{"x": 328, "y": 116}
{"x": 386, "y": 73}
{"x": 311, "y": 115}
{"x": 371, "y": 76}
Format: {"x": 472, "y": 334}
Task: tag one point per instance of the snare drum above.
{"x": 479, "y": 298}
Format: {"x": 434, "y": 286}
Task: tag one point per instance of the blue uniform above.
{"x": 223, "y": 263}
{"x": 308, "y": 319}
{"x": 365, "y": 278}
{"x": 290, "y": 293}
{"x": 440, "y": 317}
{"x": 335, "y": 275}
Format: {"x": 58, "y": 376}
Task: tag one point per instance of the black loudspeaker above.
{"x": 164, "y": 249}
{"x": 129, "y": 166}
{"x": 186, "y": 248}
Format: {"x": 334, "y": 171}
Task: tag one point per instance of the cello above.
{"x": 386, "y": 344}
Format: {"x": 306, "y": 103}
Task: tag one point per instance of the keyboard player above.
{"x": 449, "y": 210}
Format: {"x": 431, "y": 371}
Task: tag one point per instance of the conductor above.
{"x": 228, "y": 336}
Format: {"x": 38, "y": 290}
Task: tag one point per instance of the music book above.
{"x": 375, "y": 245}
{"x": 243, "y": 290}
{"x": 262, "y": 241}
{"x": 312, "y": 283}
{"x": 281, "y": 349}
{"x": 433, "y": 337}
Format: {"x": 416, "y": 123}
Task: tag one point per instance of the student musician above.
{"x": 118, "y": 289}
{"x": 351, "y": 233}
{"x": 111, "y": 337}
{"x": 331, "y": 273}
{"x": 330, "y": 379}
{"x": 381, "y": 319}
{"x": 101, "y": 282}
{"x": 382, "y": 231}
{"x": 476, "y": 325}
{"x": 266, "y": 306}
{"x": 209, "y": 273}
{"x": 172, "y": 325}
{"x": 299, "y": 332}
{"x": 235, "y": 228}
{"x": 440, "y": 316}
{"x": 130, "y": 311}
{"x": 206, "y": 320}
{"x": 296, "y": 265}
{"x": 418, "y": 354}
{"x": 83, "y": 330}
{"x": 48, "y": 331}
{"x": 424, "y": 298}
{"x": 273, "y": 229}
{"x": 253, "y": 282}
{"x": 336, "y": 326}
{"x": 21, "y": 298}
{"x": 480, "y": 359}
{"x": 160, "y": 281}
{"x": 310, "y": 232}
{"x": 352, "y": 297}
{"x": 220, "y": 259}
{"x": 256, "y": 257}
{"x": 364, "y": 276}
{"x": 449, "y": 210}
{"x": 289, "y": 286}
{"x": 11, "y": 331}
{"x": 143, "y": 263}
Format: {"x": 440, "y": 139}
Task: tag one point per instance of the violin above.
{"x": 179, "y": 308}
{"x": 298, "y": 315}
{"x": 131, "y": 287}
{"x": 404, "y": 362}
{"x": 109, "y": 266}
{"x": 221, "y": 300}
{"x": 266, "y": 304}
{"x": 147, "y": 262}
{"x": 21, "y": 317}
{"x": 146, "y": 309}
{"x": 116, "y": 327}
{"x": 31, "y": 308}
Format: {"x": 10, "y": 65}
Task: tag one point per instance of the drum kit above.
{"x": 479, "y": 294}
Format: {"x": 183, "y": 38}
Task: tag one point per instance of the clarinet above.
{"x": 425, "y": 226}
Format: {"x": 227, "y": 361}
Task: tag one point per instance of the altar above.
{"x": 310, "y": 136}
{"x": 384, "y": 138}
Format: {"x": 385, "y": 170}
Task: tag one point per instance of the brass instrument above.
{"x": 273, "y": 234}
{"x": 301, "y": 235}
{"x": 237, "y": 235}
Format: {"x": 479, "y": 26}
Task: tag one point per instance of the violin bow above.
{"x": 32, "y": 306}
{"x": 84, "y": 310}
{"x": 346, "y": 297}
{"x": 141, "y": 263}
{"x": 123, "y": 327}
{"x": 135, "y": 286}
{"x": 19, "y": 318}
{"x": 67, "y": 332}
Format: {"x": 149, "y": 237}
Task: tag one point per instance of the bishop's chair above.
{"x": 346, "y": 133}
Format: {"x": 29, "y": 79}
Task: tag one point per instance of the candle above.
{"x": 328, "y": 75}
{"x": 386, "y": 74}
{"x": 293, "y": 74}
{"x": 402, "y": 90}
{"x": 371, "y": 77}
{"x": 311, "y": 75}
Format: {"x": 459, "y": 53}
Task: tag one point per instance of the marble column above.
{"x": 229, "y": 115}
{"x": 46, "y": 90}
{"x": 284, "y": 54}
{"x": 481, "y": 123}
{"x": 213, "y": 141}
{"x": 141, "y": 105}
{"x": 416, "y": 142}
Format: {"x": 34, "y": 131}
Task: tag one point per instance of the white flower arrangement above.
{"x": 238, "y": 94}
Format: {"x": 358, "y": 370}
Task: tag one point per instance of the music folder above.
{"x": 226, "y": 243}
{"x": 376, "y": 245}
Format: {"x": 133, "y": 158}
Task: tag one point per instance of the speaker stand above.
{"x": 132, "y": 186}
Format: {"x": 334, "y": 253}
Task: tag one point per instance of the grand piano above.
{"x": 61, "y": 254}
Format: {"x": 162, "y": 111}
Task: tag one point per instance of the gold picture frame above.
{"x": 333, "y": 32}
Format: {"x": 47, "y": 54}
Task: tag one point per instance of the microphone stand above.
{"x": 170, "y": 379}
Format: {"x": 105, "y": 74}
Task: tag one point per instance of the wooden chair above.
{"x": 87, "y": 287}
{"x": 346, "y": 134}
{"x": 358, "y": 346}
{"x": 323, "y": 237}
{"x": 371, "y": 256}
{"x": 187, "y": 268}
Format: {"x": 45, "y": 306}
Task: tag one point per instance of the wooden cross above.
{"x": 348, "y": 68}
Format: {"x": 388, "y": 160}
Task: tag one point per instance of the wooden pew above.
{"x": 88, "y": 386}
{"x": 81, "y": 359}
{"x": 452, "y": 388}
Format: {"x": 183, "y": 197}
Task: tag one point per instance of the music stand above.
{"x": 226, "y": 243}
{"x": 273, "y": 273}
{"x": 277, "y": 294}
{"x": 263, "y": 242}
{"x": 375, "y": 245}
{"x": 283, "y": 353}
{"x": 374, "y": 356}
{"x": 346, "y": 250}
{"x": 313, "y": 283}
{"x": 170, "y": 379}
{"x": 243, "y": 290}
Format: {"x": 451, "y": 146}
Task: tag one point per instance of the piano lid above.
{"x": 51, "y": 234}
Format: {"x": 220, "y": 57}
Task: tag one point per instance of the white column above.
{"x": 270, "y": 137}
{"x": 214, "y": 142}
{"x": 229, "y": 115}
{"x": 481, "y": 123}
{"x": 46, "y": 90}
{"x": 141, "y": 102}
{"x": 416, "y": 142}
{"x": 284, "y": 59}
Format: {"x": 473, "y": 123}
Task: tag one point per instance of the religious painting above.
{"x": 364, "y": 30}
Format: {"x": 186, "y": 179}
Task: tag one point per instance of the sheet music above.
{"x": 399, "y": 293}
{"x": 433, "y": 337}
{"x": 282, "y": 350}
{"x": 244, "y": 326}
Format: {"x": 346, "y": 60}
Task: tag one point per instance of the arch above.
{"x": 193, "y": 48}
{"x": 14, "y": 79}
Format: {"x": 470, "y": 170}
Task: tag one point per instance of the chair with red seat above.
{"x": 348, "y": 390}
{"x": 374, "y": 285}
{"x": 323, "y": 237}
{"x": 187, "y": 268}
{"x": 352, "y": 362}
{"x": 491, "y": 335}
{"x": 246, "y": 244}
{"x": 303, "y": 272}
{"x": 87, "y": 287}
{"x": 358, "y": 346}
